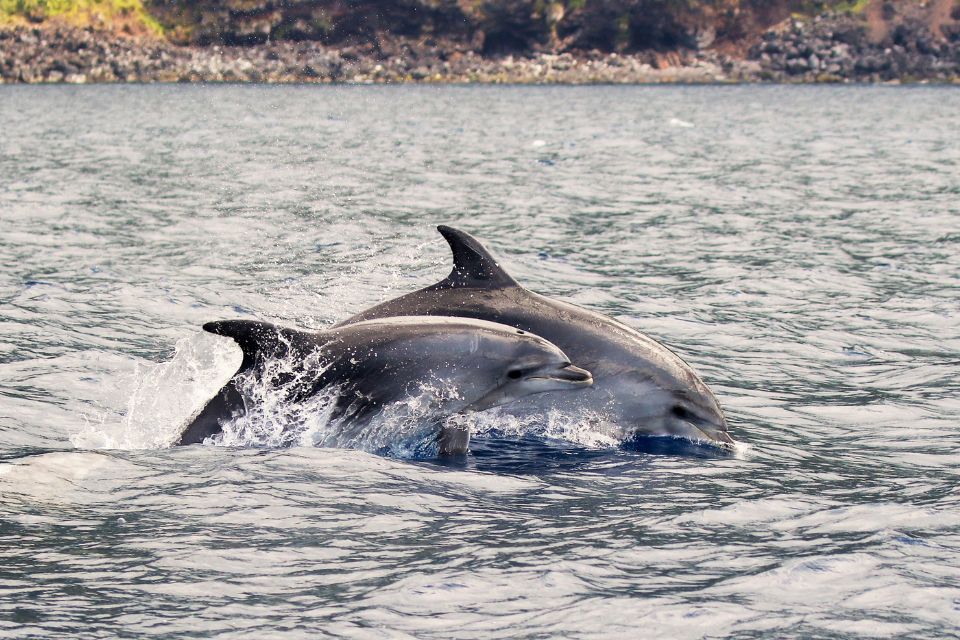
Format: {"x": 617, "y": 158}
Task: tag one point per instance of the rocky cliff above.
{"x": 492, "y": 26}
{"x": 480, "y": 40}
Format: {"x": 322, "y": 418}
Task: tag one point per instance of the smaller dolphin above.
{"x": 372, "y": 365}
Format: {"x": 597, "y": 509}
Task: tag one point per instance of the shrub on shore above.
{"x": 128, "y": 16}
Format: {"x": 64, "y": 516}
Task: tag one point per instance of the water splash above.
{"x": 282, "y": 409}
{"x": 586, "y": 428}
{"x": 157, "y": 399}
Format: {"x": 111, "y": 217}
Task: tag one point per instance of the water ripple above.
{"x": 797, "y": 245}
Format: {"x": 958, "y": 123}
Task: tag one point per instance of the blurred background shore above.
{"x": 486, "y": 41}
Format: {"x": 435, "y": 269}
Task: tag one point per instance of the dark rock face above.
{"x": 840, "y": 48}
{"x": 494, "y": 26}
{"x": 35, "y": 55}
{"x": 831, "y": 47}
{"x": 251, "y": 22}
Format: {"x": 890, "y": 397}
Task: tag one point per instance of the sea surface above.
{"x": 798, "y": 246}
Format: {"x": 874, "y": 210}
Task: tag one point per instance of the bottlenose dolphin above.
{"x": 640, "y": 386}
{"x": 373, "y": 365}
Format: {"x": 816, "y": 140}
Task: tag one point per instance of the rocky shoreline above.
{"x": 839, "y": 48}
{"x": 824, "y": 49}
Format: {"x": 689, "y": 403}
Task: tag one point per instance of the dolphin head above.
{"x": 524, "y": 364}
{"x": 670, "y": 401}
{"x": 487, "y": 364}
{"x": 696, "y": 416}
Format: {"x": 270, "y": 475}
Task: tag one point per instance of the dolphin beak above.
{"x": 569, "y": 374}
{"x": 715, "y": 429}
{"x": 565, "y": 376}
{"x": 718, "y": 435}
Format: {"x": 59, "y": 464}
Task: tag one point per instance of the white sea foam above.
{"x": 155, "y": 400}
{"x": 586, "y": 428}
{"x": 407, "y": 428}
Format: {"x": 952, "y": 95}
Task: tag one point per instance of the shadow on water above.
{"x": 670, "y": 446}
{"x": 536, "y": 455}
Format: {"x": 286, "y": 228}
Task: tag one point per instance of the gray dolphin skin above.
{"x": 640, "y": 386}
{"x": 374, "y": 364}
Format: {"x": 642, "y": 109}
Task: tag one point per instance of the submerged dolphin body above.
{"x": 372, "y": 366}
{"x": 640, "y": 386}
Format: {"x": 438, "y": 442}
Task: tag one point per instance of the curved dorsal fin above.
{"x": 473, "y": 266}
{"x": 257, "y": 340}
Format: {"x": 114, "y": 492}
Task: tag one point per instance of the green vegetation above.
{"x": 814, "y": 7}
{"x": 128, "y": 13}
{"x": 852, "y": 6}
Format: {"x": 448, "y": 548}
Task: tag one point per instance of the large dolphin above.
{"x": 640, "y": 386}
{"x": 371, "y": 366}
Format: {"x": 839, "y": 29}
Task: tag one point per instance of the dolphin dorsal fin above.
{"x": 473, "y": 266}
{"x": 257, "y": 340}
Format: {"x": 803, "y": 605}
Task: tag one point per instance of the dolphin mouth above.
{"x": 568, "y": 374}
{"x": 559, "y": 378}
{"x": 709, "y": 424}
{"x": 718, "y": 435}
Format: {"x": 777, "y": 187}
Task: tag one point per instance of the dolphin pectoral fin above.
{"x": 473, "y": 266}
{"x": 453, "y": 440}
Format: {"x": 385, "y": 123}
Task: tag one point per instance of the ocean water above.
{"x": 799, "y": 246}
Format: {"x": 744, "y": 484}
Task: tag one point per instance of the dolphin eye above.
{"x": 514, "y": 374}
{"x": 682, "y": 413}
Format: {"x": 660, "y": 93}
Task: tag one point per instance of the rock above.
{"x": 797, "y": 66}
{"x": 828, "y": 49}
{"x": 837, "y": 46}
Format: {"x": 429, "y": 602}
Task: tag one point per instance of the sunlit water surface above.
{"x": 800, "y": 247}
